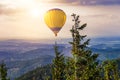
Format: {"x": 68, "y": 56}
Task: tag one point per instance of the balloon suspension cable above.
{"x": 55, "y": 38}
{"x": 55, "y": 34}
{"x": 55, "y": 43}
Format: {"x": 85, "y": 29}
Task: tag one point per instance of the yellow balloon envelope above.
{"x": 55, "y": 19}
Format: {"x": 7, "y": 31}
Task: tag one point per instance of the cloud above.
{"x": 8, "y": 10}
{"x": 99, "y": 2}
{"x": 57, "y": 1}
{"x": 84, "y": 2}
{"x": 5, "y": 10}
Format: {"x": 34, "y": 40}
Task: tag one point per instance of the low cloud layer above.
{"x": 84, "y": 2}
{"x": 99, "y": 2}
{"x": 6, "y": 10}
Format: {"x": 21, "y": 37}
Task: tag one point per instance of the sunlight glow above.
{"x": 35, "y": 12}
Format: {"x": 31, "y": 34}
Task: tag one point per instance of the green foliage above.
{"x": 3, "y": 72}
{"x": 110, "y": 70}
{"x": 69, "y": 69}
{"x": 58, "y": 65}
{"x": 118, "y": 64}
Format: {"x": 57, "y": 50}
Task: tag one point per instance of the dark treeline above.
{"x": 3, "y": 72}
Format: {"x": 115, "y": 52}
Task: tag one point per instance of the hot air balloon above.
{"x": 55, "y": 19}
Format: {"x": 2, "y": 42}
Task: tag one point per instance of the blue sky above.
{"x": 23, "y": 19}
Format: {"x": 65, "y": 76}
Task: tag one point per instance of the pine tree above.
{"x": 85, "y": 63}
{"x": 69, "y": 68}
{"x": 58, "y": 65}
{"x": 111, "y": 71}
{"x": 3, "y": 72}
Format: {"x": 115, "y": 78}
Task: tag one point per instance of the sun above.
{"x": 34, "y": 12}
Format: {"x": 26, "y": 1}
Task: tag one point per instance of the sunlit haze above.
{"x": 24, "y": 19}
